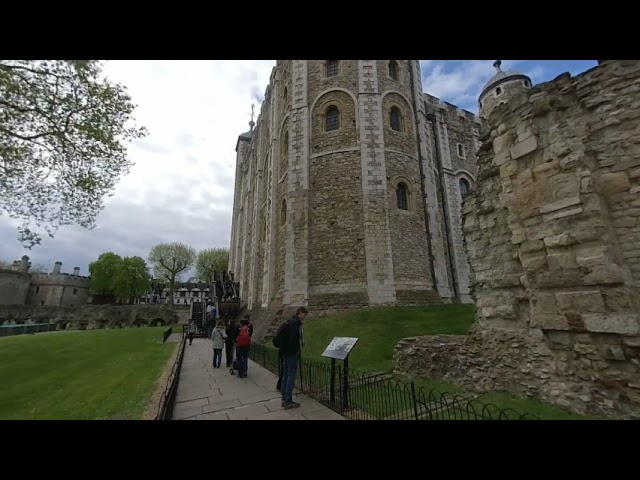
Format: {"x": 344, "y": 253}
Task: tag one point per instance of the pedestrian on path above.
{"x": 193, "y": 328}
{"x": 231, "y": 331}
{"x": 291, "y": 349}
{"x": 218, "y": 339}
{"x": 243, "y": 344}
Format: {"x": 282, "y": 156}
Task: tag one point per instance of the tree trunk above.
{"x": 171, "y": 282}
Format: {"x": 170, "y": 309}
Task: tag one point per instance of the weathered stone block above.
{"x": 524, "y": 147}
{"x": 582, "y": 301}
{"x": 613, "y": 183}
{"x": 534, "y": 261}
{"x": 591, "y": 255}
{"x": 531, "y": 246}
{"x": 562, "y": 240}
{"x": 547, "y": 321}
{"x": 620, "y": 323}
{"x": 567, "y": 202}
{"x": 560, "y": 260}
{"x": 608, "y": 274}
{"x": 545, "y": 303}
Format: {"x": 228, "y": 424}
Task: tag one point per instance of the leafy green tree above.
{"x": 211, "y": 260}
{"x": 103, "y": 271}
{"x": 64, "y": 130}
{"x": 132, "y": 278}
{"x": 169, "y": 261}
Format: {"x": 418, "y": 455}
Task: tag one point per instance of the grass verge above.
{"x": 81, "y": 375}
{"x": 378, "y": 331}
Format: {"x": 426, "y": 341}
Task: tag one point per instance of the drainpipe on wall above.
{"x": 423, "y": 189}
{"x": 443, "y": 198}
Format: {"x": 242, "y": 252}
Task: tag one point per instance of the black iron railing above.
{"x": 363, "y": 396}
{"x": 26, "y": 328}
{"x": 167, "y": 334}
{"x": 165, "y": 409}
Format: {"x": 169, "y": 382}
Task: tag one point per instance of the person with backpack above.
{"x": 243, "y": 343}
{"x": 289, "y": 340}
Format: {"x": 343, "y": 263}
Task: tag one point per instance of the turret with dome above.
{"x": 501, "y": 88}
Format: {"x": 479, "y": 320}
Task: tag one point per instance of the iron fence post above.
{"x": 414, "y": 400}
{"x": 345, "y": 384}
{"x": 332, "y": 385}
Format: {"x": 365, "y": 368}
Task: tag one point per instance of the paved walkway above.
{"x": 207, "y": 393}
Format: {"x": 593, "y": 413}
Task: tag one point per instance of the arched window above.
{"x": 332, "y": 120}
{"x": 402, "y": 196}
{"x": 393, "y": 69}
{"x": 394, "y": 119}
{"x": 332, "y": 68}
{"x": 498, "y": 91}
{"x": 465, "y": 187}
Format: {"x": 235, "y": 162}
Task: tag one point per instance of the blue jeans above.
{"x": 289, "y": 370}
{"x": 217, "y": 357}
{"x": 242, "y": 356}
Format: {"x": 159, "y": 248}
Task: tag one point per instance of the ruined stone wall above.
{"x": 89, "y": 317}
{"x": 552, "y": 233}
{"x": 14, "y": 287}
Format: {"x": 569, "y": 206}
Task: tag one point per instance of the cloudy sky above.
{"x": 181, "y": 188}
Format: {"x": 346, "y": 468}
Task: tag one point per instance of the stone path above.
{"x": 207, "y": 393}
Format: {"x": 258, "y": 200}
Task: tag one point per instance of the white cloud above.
{"x": 181, "y": 187}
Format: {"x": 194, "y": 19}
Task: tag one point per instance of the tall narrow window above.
{"x": 402, "y": 196}
{"x": 394, "y": 119}
{"x": 283, "y": 212}
{"x": 332, "y": 68}
{"x": 465, "y": 187}
{"x": 393, "y": 69}
{"x": 332, "y": 119}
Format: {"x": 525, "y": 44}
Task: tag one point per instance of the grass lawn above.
{"x": 81, "y": 375}
{"x": 380, "y": 329}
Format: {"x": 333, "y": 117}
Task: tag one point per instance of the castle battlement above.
{"x": 450, "y": 109}
{"x": 66, "y": 279}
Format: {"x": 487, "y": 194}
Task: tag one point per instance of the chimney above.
{"x": 24, "y": 264}
{"x": 56, "y": 268}
{"x": 76, "y": 271}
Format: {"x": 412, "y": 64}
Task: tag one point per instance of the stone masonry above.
{"x": 353, "y": 215}
{"x": 89, "y": 317}
{"x": 552, "y": 232}
{"x": 19, "y": 286}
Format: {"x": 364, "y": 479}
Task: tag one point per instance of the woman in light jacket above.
{"x": 217, "y": 339}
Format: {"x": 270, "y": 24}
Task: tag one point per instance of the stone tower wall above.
{"x": 316, "y": 217}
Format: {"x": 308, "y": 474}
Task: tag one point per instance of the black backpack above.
{"x": 281, "y": 335}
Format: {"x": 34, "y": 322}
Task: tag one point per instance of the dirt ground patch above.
{"x": 154, "y": 404}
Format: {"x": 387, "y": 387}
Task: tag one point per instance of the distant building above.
{"x": 20, "y": 287}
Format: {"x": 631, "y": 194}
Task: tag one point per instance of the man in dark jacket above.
{"x": 291, "y": 353}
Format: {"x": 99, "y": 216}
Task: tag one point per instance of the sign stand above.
{"x": 339, "y": 349}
